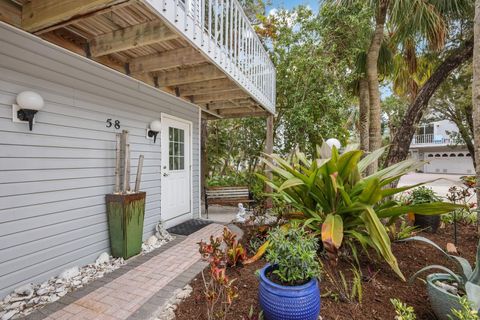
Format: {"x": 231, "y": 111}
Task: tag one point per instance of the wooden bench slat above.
{"x": 228, "y": 187}
{"x": 227, "y": 191}
{"x": 227, "y": 196}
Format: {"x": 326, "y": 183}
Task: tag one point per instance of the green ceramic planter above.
{"x": 125, "y": 223}
{"x": 441, "y": 301}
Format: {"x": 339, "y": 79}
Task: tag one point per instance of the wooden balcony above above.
{"x": 204, "y": 51}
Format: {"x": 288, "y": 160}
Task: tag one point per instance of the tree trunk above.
{"x": 269, "y": 150}
{"x": 467, "y": 138}
{"x": 476, "y": 100}
{"x": 401, "y": 142}
{"x": 375, "y": 133}
{"x": 470, "y": 134}
{"x": 364, "y": 115}
{"x": 204, "y": 157}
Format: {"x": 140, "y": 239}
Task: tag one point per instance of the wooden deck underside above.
{"x": 130, "y": 38}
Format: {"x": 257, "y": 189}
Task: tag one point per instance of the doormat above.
{"x": 188, "y": 227}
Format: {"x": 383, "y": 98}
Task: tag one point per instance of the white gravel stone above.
{"x": 70, "y": 273}
{"x": 9, "y": 315}
{"x": 160, "y": 238}
{"x": 167, "y": 311}
{"x": 152, "y": 240}
{"x": 43, "y": 291}
{"x": 24, "y": 292}
{"x": 27, "y": 298}
{"x": 102, "y": 259}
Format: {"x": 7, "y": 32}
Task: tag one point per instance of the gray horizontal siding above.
{"x": 53, "y": 180}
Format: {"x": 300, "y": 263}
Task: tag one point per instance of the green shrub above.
{"x": 422, "y": 195}
{"x": 293, "y": 254}
{"x": 402, "y": 311}
{"x": 466, "y": 313}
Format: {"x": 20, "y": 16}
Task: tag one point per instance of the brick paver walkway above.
{"x": 124, "y": 296}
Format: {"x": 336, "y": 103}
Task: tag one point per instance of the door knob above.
{"x": 165, "y": 174}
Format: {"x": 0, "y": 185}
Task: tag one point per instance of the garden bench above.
{"x": 228, "y": 196}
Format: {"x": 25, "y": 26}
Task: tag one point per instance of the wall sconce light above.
{"x": 28, "y": 104}
{"x": 155, "y": 126}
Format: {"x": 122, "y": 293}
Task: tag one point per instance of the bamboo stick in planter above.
{"x": 124, "y": 149}
{"x": 139, "y": 173}
{"x": 117, "y": 162}
{"x": 127, "y": 164}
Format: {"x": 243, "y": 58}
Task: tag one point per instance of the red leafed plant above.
{"x": 220, "y": 291}
{"x": 235, "y": 251}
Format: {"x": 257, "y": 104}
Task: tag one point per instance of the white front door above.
{"x": 176, "y": 176}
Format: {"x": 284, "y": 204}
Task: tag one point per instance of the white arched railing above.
{"x": 221, "y": 30}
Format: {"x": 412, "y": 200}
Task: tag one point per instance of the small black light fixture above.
{"x": 155, "y": 126}
{"x": 28, "y": 104}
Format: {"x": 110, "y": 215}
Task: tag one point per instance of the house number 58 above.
{"x": 114, "y": 123}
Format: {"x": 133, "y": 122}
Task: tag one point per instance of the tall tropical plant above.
{"x": 337, "y": 203}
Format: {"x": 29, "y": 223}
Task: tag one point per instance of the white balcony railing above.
{"x": 429, "y": 139}
{"x": 221, "y": 30}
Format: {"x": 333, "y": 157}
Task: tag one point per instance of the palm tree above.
{"x": 476, "y": 98}
{"x": 426, "y": 19}
{"x": 361, "y": 88}
{"x": 375, "y": 117}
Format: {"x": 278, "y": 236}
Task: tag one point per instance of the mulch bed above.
{"x": 379, "y": 283}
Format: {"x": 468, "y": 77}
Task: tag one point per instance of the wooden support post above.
{"x": 204, "y": 158}
{"x": 269, "y": 150}
{"x": 139, "y": 173}
{"x": 117, "y": 162}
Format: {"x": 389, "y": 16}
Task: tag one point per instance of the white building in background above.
{"x": 432, "y": 143}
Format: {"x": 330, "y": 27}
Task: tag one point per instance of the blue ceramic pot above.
{"x": 288, "y": 302}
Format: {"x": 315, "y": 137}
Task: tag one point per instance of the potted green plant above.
{"x": 445, "y": 290}
{"x": 288, "y": 283}
{"x": 423, "y": 195}
{"x": 125, "y": 207}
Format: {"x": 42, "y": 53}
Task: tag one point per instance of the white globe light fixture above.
{"x": 155, "y": 127}
{"x": 28, "y": 104}
{"x": 332, "y": 142}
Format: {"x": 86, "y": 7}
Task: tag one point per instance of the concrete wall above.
{"x": 53, "y": 179}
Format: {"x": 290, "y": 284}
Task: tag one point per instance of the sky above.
{"x": 289, "y": 4}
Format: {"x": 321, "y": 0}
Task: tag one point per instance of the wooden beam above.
{"x": 145, "y": 78}
{"x": 62, "y": 42}
{"x": 225, "y": 112}
{"x": 226, "y": 105}
{"x": 10, "y": 13}
{"x": 221, "y": 96}
{"x": 131, "y": 37}
{"x": 189, "y": 75}
{"x": 205, "y": 87}
{"x": 41, "y": 14}
{"x": 245, "y": 114}
{"x": 166, "y": 60}
{"x": 87, "y": 16}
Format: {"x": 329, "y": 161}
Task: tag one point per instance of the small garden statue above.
{"x": 241, "y": 213}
